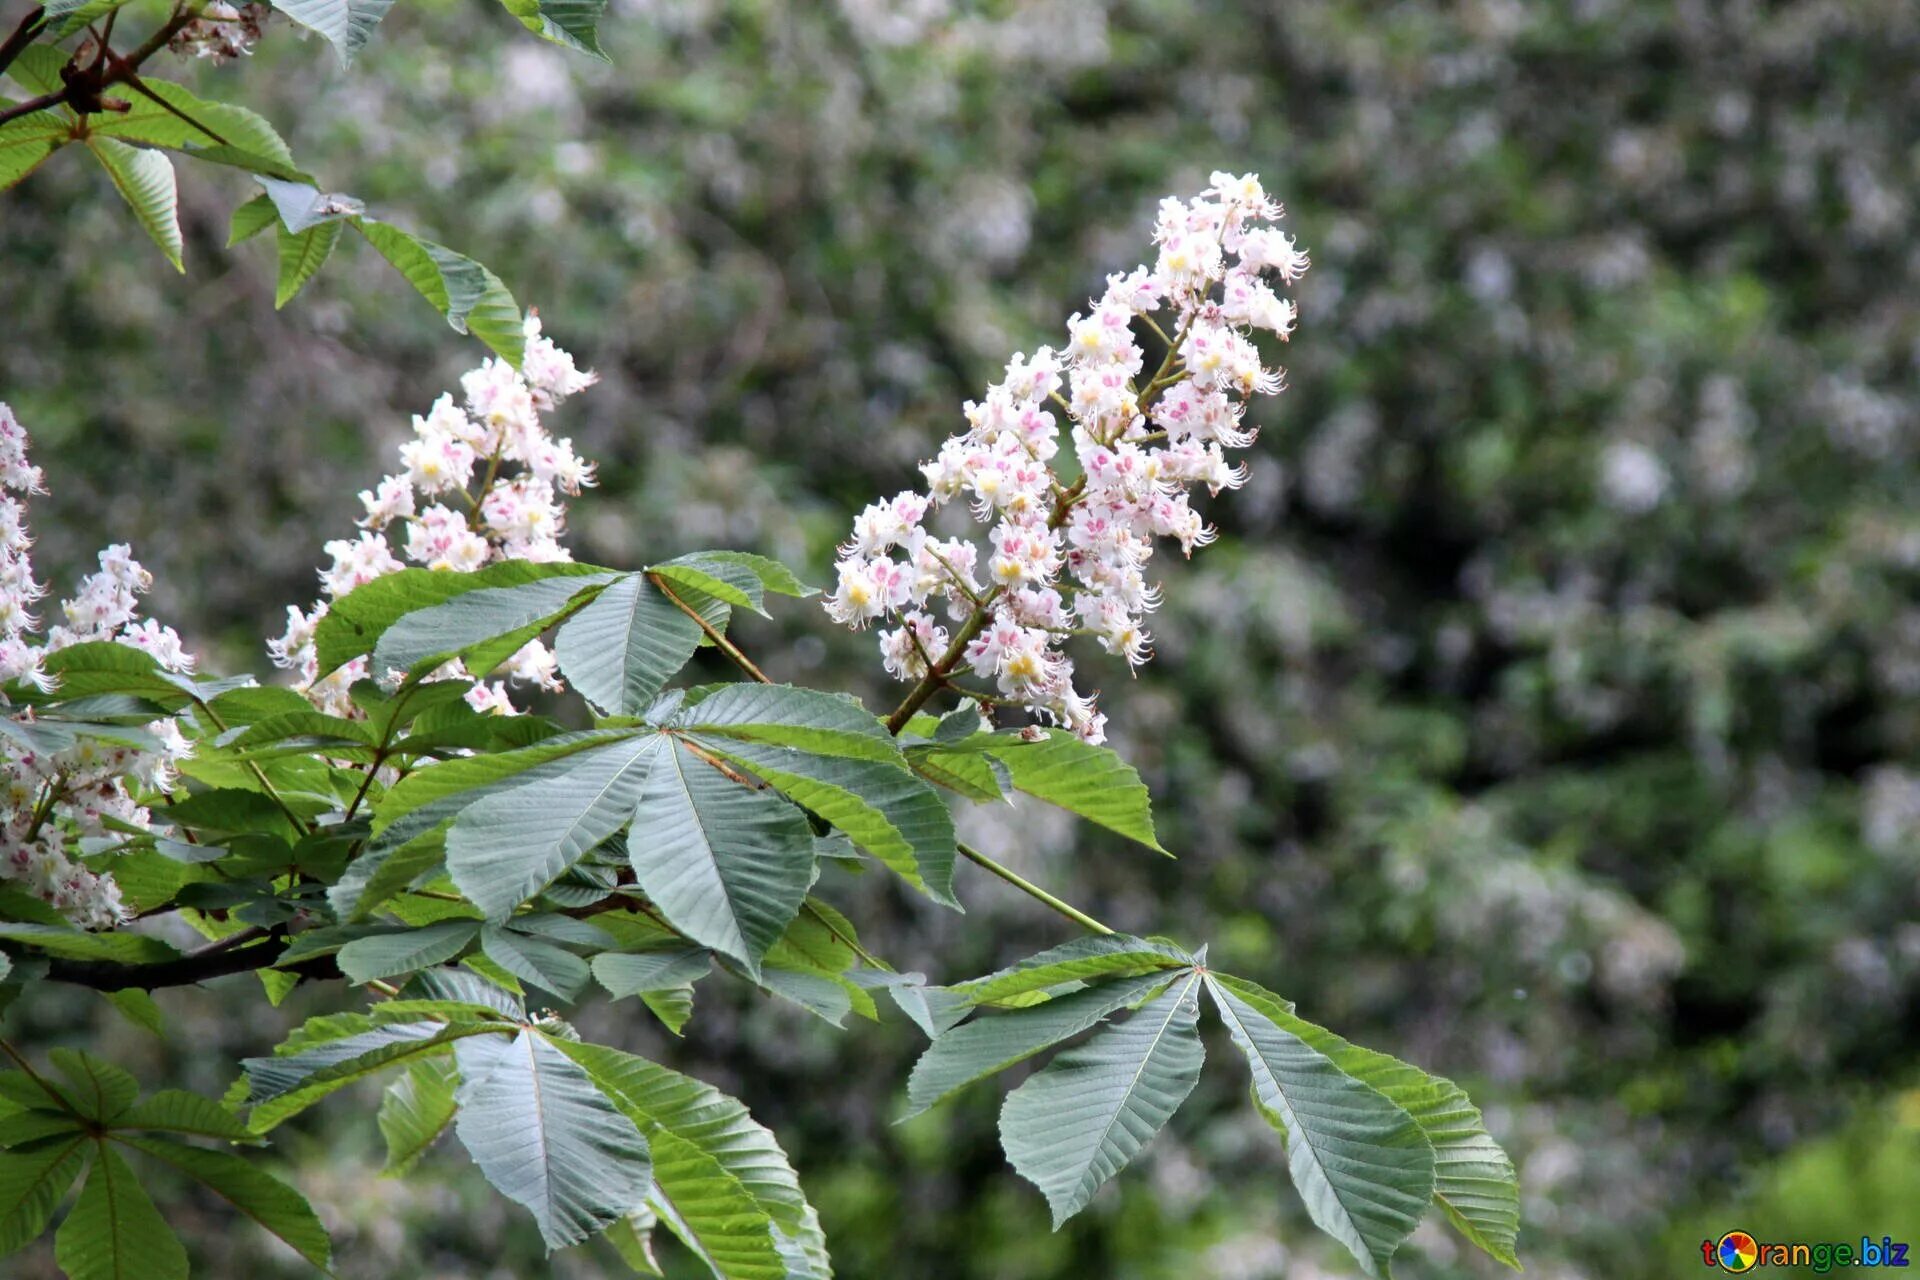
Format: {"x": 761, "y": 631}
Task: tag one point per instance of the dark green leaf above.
{"x": 264, "y": 1198}
{"x": 114, "y": 1232}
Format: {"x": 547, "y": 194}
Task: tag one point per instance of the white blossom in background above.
{"x": 480, "y": 482}
{"x": 1633, "y": 480}
{"x": 1062, "y": 560}
{"x": 52, "y": 801}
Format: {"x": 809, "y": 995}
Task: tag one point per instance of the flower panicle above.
{"x": 1059, "y": 559}
{"x": 50, "y": 801}
{"x": 481, "y": 481}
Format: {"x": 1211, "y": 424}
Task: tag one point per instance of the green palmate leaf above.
{"x": 825, "y": 995}
{"x": 463, "y": 990}
{"x": 303, "y": 206}
{"x": 781, "y": 715}
{"x": 773, "y": 575}
{"x": 301, "y": 255}
{"x": 101, "y": 1090}
{"x": 831, "y": 755}
{"x": 508, "y": 846}
{"x": 470, "y": 297}
{"x": 484, "y": 627}
{"x": 886, "y": 811}
{"x": 37, "y": 68}
{"x": 37, "y": 1092}
{"x": 64, "y": 17}
{"x": 264, "y": 1198}
{"x": 356, "y": 621}
{"x": 286, "y": 1085}
{"x": 114, "y": 1232}
{"x": 138, "y": 1006}
{"x": 621, "y": 650}
{"x": 1083, "y": 1118}
{"x": 208, "y": 130}
{"x": 250, "y": 219}
{"x": 1474, "y": 1180}
{"x": 978, "y": 777}
{"x": 416, "y": 1110}
{"x": 713, "y": 1213}
{"x": 1083, "y": 959}
{"x": 410, "y": 820}
{"x": 986, "y": 1045}
{"x": 72, "y": 944}
{"x": 632, "y": 1239}
{"x": 384, "y": 955}
{"x": 306, "y": 727}
{"x": 347, "y": 25}
{"x": 27, "y": 141}
{"x": 629, "y": 974}
{"x": 145, "y": 181}
{"x": 536, "y": 961}
{"x": 572, "y": 23}
{"x": 548, "y": 1138}
{"x": 1360, "y": 1162}
{"x": 433, "y": 794}
{"x": 23, "y": 1128}
{"x": 32, "y": 1182}
{"x": 722, "y": 1183}
{"x": 1081, "y": 778}
{"x": 387, "y": 867}
{"x": 725, "y": 580}
{"x": 728, "y": 865}
{"x": 104, "y": 667}
{"x": 177, "y": 1111}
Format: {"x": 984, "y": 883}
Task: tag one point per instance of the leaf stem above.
{"x": 713, "y": 633}
{"x": 22, "y": 36}
{"x": 1032, "y": 890}
{"x": 259, "y": 774}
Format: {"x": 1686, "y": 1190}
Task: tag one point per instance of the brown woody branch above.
{"x": 82, "y": 85}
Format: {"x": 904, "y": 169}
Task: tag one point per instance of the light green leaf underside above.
{"x": 1083, "y": 959}
{"x": 1089, "y": 1112}
{"x": 547, "y": 1138}
{"x": 145, "y": 181}
{"x": 1474, "y": 1180}
{"x": 1359, "y": 1161}
{"x": 728, "y": 865}
{"x": 993, "y": 1042}
{"x": 621, "y": 650}
{"x": 347, "y": 25}
{"x": 722, "y": 1182}
{"x": 508, "y": 846}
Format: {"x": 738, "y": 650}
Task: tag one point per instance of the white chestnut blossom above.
{"x": 51, "y": 801}
{"x": 1064, "y": 559}
{"x": 481, "y": 481}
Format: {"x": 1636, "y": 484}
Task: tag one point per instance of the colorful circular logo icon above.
{"x": 1737, "y": 1251}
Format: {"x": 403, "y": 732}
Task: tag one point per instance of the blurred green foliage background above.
{"x": 1548, "y": 716}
